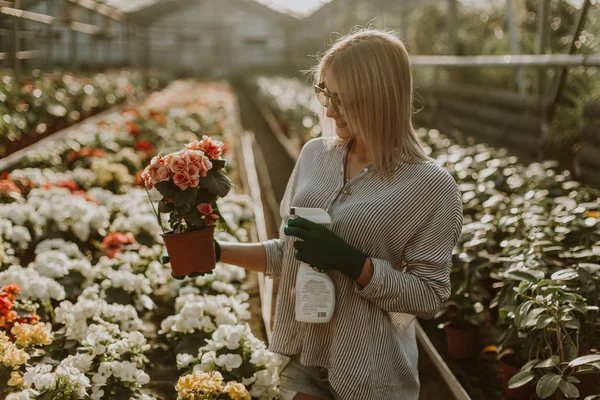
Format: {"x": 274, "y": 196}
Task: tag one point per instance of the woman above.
{"x": 396, "y": 216}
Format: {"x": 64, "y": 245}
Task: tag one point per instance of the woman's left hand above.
{"x": 323, "y": 249}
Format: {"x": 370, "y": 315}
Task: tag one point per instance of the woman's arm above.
{"x": 250, "y": 256}
{"x": 423, "y": 287}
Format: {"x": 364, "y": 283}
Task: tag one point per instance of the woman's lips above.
{"x": 341, "y": 124}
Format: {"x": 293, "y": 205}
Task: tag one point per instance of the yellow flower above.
{"x": 593, "y": 214}
{"x": 237, "y": 391}
{"x": 32, "y": 335}
{"x": 16, "y": 357}
{"x": 15, "y": 379}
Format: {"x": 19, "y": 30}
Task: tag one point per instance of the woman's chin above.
{"x": 343, "y": 133}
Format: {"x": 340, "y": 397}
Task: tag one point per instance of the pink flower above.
{"x": 210, "y": 219}
{"x": 205, "y": 208}
{"x": 162, "y": 174}
{"x": 193, "y": 170}
{"x": 178, "y": 163}
{"x": 147, "y": 180}
{"x": 182, "y": 180}
{"x": 204, "y": 165}
{"x": 212, "y": 148}
{"x": 159, "y": 173}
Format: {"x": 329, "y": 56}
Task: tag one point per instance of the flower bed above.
{"x": 86, "y": 308}
{"x": 526, "y": 271}
{"x": 42, "y": 103}
{"x": 293, "y": 103}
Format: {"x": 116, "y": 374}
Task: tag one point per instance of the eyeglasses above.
{"x": 325, "y": 98}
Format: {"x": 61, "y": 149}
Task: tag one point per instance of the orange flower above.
{"x": 86, "y": 196}
{"x": 132, "y": 128}
{"x": 593, "y": 214}
{"x": 8, "y": 186}
{"x": 68, "y": 184}
{"x": 118, "y": 239}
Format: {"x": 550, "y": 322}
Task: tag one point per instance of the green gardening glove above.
{"x": 323, "y": 249}
{"x": 165, "y": 260}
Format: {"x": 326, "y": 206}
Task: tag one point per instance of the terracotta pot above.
{"x": 509, "y": 368}
{"x": 461, "y": 341}
{"x": 588, "y": 385}
{"x": 191, "y": 251}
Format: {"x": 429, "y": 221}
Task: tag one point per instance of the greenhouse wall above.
{"x": 217, "y": 37}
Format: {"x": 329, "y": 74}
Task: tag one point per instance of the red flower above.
{"x": 210, "y": 219}
{"x": 144, "y": 145}
{"x": 5, "y": 175}
{"x": 205, "y": 208}
{"x": 112, "y": 253}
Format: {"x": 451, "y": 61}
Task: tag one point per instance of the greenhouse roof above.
{"x": 159, "y": 9}
{"x": 298, "y": 8}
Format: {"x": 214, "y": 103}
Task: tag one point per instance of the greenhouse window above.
{"x": 255, "y": 42}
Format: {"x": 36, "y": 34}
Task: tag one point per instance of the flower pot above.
{"x": 589, "y": 384}
{"x": 461, "y": 341}
{"x": 509, "y": 368}
{"x": 191, "y": 251}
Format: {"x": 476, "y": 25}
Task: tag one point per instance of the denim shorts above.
{"x": 297, "y": 378}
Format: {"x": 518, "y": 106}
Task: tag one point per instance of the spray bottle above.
{"x": 315, "y": 292}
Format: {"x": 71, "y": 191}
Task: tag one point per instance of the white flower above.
{"x": 229, "y": 361}
{"x": 183, "y": 360}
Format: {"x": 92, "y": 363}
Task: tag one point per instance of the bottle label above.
{"x": 316, "y": 299}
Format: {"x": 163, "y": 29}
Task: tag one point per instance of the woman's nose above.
{"x": 330, "y": 110}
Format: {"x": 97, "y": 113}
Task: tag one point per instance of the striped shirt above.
{"x": 408, "y": 227}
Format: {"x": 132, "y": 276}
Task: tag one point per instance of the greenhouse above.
{"x": 299, "y": 199}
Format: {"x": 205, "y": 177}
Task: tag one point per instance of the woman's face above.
{"x": 341, "y": 126}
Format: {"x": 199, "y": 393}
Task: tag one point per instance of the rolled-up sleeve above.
{"x": 274, "y": 247}
{"x": 424, "y": 284}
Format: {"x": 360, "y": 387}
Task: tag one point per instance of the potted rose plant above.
{"x": 189, "y": 183}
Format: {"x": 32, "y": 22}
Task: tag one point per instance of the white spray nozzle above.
{"x": 316, "y": 215}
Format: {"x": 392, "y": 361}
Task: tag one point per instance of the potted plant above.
{"x": 548, "y": 319}
{"x": 188, "y": 183}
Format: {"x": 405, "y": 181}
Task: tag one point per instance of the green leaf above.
{"x": 565, "y": 275}
{"x": 217, "y": 182}
{"x": 529, "y": 365}
{"x": 522, "y": 311}
{"x": 548, "y": 363}
{"x": 520, "y": 379}
{"x": 543, "y": 322}
{"x": 580, "y": 306}
{"x": 568, "y": 389}
{"x": 566, "y": 297}
{"x": 532, "y": 318}
{"x": 520, "y": 276}
{"x": 547, "y": 385}
{"x": 585, "y": 360}
{"x": 573, "y": 324}
{"x": 180, "y": 197}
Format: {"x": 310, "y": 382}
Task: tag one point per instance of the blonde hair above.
{"x": 376, "y": 92}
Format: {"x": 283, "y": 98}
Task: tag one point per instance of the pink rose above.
{"x": 204, "y": 165}
{"x": 182, "y": 180}
{"x": 177, "y": 164}
{"x": 195, "y": 156}
{"x": 193, "y": 170}
{"x": 205, "y": 208}
{"x": 147, "y": 180}
{"x": 162, "y": 173}
{"x": 194, "y": 181}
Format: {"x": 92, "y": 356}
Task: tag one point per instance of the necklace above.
{"x": 347, "y": 176}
